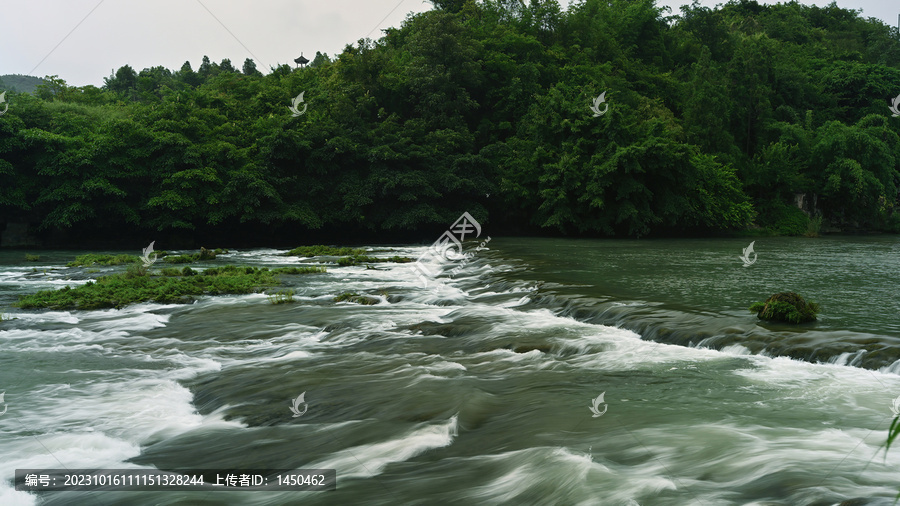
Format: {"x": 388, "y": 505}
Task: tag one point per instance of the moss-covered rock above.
{"x": 357, "y": 299}
{"x": 786, "y": 307}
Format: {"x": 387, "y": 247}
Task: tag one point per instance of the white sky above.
{"x": 65, "y": 38}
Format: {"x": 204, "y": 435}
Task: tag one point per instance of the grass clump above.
{"x": 94, "y": 259}
{"x": 361, "y": 259}
{"x": 119, "y": 290}
{"x": 32, "y": 258}
{"x": 320, "y": 250}
{"x": 357, "y": 298}
{"x": 814, "y": 226}
{"x": 786, "y": 307}
{"x": 282, "y": 297}
{"x": 135, "y": 270}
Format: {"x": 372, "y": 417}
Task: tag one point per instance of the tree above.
{"x": 226, "y": 66}
{"x": 123, "y": 82}
{"x": 187, "y": 75}
{"x": 53, "y": 88}
{"x": 207, "y": 69}
{"x": 249, "y": 68}
{"x": 320, "y": 59}
{"x": 451, "y": 6}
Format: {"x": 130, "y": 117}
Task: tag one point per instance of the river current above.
{"x": 479, "y": 388}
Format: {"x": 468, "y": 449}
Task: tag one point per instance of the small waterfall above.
{"x": 851, "y": 359}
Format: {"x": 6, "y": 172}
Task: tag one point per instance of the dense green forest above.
{"x": 718, "y": 119}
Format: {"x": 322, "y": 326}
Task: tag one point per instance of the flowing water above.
{"x": 478, "y": 389}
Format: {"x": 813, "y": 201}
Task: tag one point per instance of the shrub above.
{"x": 32, "y": 258}
{"x": 92, "y": 259}
{"x": 786, "y": 307}
{"x": 179, "y": 259}
{"x": 783, "y": 219}
{"x": 282, "y": 297}
{"x": 204, "y": 254}
{"x": 135, "y": 270}
{"x": 813, "y": 226}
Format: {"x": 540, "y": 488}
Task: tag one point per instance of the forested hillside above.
{"x": 19, "y": 83}
{"x": 717, "y": 119}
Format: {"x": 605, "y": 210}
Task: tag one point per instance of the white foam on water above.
{"x": 99, "y": 424}
{"x": 74, "y": 339}
{"x": 736, "y": 350}
{"x": 500, "y": 355}
{"x": 849, "y": 359}
{"x": 44, "y": 317}
{"x": 533, "y": 472}
{"x": 369, "y": 460}
{"x": 128, "y": 320}
{"x": 788, "y": 371}
{"x": 102, "y": 416}
{"x": 439, "y": 370}
{"x": 9, "y": 496}
{"x": 294, "y": 355}
{"x": 207, "y": 301}
{"x": 80, "y": 449}
{"x": 445, "y": 366}
{"x": 266, "y": 256}
{"x": 893, "y": 368}
{"x": 704, "y": 460}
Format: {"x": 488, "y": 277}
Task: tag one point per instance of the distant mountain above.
{"x": 19, "y": 83}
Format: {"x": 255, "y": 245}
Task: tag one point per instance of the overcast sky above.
{"x": 82, "y": 41}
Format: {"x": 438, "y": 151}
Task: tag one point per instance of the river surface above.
{"x": 478, "y": 389}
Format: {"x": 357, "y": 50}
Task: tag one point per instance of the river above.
{"x": 478, "y": 389}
